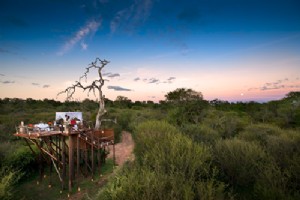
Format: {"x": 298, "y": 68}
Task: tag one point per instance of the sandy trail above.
{"x": 123, "y": 149}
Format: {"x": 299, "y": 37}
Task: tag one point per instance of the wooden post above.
{"x": 41, "y": 163}
{"x": 114, "y": 155}
{"x": 71, "y": 161}
{"x": 78, "y": 155}
{"x": 51, "y": 167}
{"x": 86, "y": 158}
{"x": 93, "y": 163}
{"x": 99, "y": 160}
{"x": 64, "y": 169}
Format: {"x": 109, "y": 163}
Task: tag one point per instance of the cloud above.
{"x": 171, "y": 79}
{"x": 46, "y": 86}
{"x": 279, "y": 84}
{"x": 8, "y": 82}
{"x": 119, "y": 18}
{"x": 83, "y": 45}
{"x": 153, "y": 80}
{"x": 35, "y": 84}
{"x": 131, "y": 16}
{"x": 274, "y": 87}
{"x": 90, "y": 27}
{"x": 111, "y": 75}
{"x": 117, "y": 88}
{"x": 2, "y": 75}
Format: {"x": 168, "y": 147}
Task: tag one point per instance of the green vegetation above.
{"x": 168, "y": 166}
{"x": 186, "y": 147}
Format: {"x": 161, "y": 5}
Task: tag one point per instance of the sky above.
{"x": 233, "y": 50}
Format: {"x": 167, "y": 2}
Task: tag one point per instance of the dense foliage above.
{"x": 186, "y": 147}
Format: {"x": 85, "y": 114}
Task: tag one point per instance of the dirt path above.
{"x": 123, "y": 149}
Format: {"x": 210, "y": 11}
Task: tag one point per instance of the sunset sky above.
{"x": 235, "y": 50}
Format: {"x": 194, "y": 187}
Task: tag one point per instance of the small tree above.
{"x": 181, "y": 95}
{"x": 95, "y": 86}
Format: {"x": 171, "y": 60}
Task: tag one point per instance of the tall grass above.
{"x": 168, "y": 165}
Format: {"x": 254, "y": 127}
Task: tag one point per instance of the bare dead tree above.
{"x": 95, "y": 86}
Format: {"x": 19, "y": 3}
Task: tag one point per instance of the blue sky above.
{"x": 235, "y": 50}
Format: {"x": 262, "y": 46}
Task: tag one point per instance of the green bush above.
{"x": 285, "y": 150}
{"x": 7, "y": 180}
{"x": 280, "y": 177}
{"x": 168, "y": 166}
{"x": 271, "y": 183}
{"x": 259, "y": 132}
{"x": 163, "y": 147}
{"x": 144, "y": 183}
{"x": 228, "y": 124}
{"x": 200, "y": 133}
{"x": 21, "y": 159}
{"x": 240, "y": 161}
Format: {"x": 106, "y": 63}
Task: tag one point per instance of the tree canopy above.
{"x": 183, "y": 95}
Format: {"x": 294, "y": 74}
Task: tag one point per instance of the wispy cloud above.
{"x": 2, "y": 75}
{"x": 46, "y": 86}
{"x": 111, "y": 75}
{"x": 83, "y": 45}
{"x": 90, "y": 27}
{"x": 120, "y": 17}
{"x": 131, "y": 16}
{"x": 153, "y": 80}
{"x": 38, "y": 85}
{"x": 171, "y": 79}
{"x": 8, "y": 82}
{"x": 117, "y": 88}
{"x": 279, "y": 84}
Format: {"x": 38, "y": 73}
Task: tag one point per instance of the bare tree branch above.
{"x": 96, "y": 85}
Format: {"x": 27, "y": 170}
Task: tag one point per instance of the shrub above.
{"x": 200, "y": 133}
{"x": 168, "y": 166}
{"x": 271, "y": 183}
{"x": 144, "y": 183}
{"x": 7, "y": 180}
{"x": 21, "y": 159}
{"x": 285, "y": 150}
{"x": 228, "y": 124}
{"x": 163, "y": 147}
{"x": 259, "y": 132}
{"x": 240, "y": 161}
{"x": 212, "y": 189}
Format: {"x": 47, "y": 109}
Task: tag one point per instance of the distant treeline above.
{"x": 284, "y": 113}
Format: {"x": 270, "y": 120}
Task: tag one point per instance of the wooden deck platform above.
{"x": 61, "y": 149}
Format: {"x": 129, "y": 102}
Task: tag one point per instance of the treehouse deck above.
{"x": 84, "y": 148}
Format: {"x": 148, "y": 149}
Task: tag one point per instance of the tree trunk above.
{"x": 101, "y": 111}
